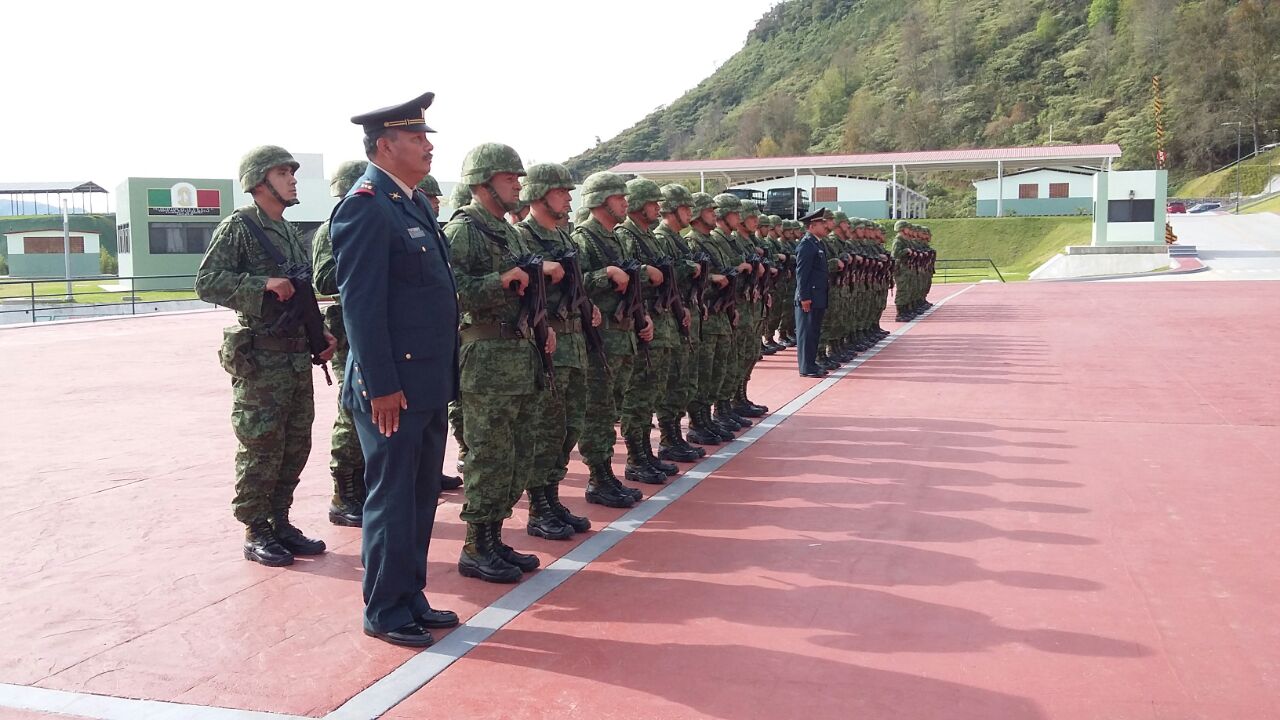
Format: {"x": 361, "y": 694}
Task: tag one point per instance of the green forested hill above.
{"x": 826, "y": 76}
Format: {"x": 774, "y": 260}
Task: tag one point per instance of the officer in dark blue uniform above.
{"x": 811, "y": 292}
{"x": 399, "y": 305}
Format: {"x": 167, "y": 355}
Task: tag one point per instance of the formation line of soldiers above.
{"x": 658, "y": 303}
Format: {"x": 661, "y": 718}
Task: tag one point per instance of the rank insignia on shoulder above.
{"x": 395, "y": 196}
{"x": 366, "y": 188}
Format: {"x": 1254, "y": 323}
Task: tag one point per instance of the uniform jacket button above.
{"x": 408, "y": 356}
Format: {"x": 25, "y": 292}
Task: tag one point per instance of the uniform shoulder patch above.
{"x": 366, "y": 188}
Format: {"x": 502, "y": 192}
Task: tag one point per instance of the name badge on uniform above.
{"x": 416, "y": 232}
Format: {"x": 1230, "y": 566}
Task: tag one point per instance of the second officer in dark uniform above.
{"x": 399, "y": 305}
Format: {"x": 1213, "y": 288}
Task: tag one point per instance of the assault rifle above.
{"x": 573, "y": 297}
{"x": 532, "y": 322}
{"x": 301, "y": 308}
{"x": 632, "y": 305}
{"x": 727, "y": 301}
{"x": 698, "y": 286}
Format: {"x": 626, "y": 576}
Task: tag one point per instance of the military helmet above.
{"x": 839, "y": 217}
{"x": 600, "y": 186}
{"x": 256, "y": 163}
{"x": 542, "y": 179}
{"x": 701, "y": 201}
{"x": 898, "y": 226}
{"x": 726, "y": 203}
{"x": 674, "y": 196}
{"x": 641, "y": 192}
{"x": 776, "y": 221}
{"x": 429, "y": 186}
{"x": 461, "y": 196}
{"x": 750, "y": 209}
{"x": 346, "y": 176}
{"x": 765, "y": 221}
{"x": 488, "y": 159}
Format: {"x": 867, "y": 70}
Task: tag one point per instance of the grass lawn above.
{"x": 1017, "y": 245}
{"x": 86, "y": 292}
{"x": 1254, "y": 174}
{"x": 1269, "y": 205}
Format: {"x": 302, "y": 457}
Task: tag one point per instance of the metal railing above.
{"x": 966, "y": 269}
{"x": 50, "y": 295}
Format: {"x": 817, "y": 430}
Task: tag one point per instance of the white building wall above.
{"x": 16, "y": 245}
{"x": 1081, "y": 185}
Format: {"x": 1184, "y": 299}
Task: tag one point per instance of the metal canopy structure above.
{"x": 18, "y": 198}
{"x": 735, "y": 171}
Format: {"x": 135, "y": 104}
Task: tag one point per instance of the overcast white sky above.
{"x": 103, "y": 91}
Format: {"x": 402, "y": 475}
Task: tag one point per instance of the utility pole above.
{"x": 1239, "y": 126}
{"x": 66, "y": 249}
{"x": 1158, "y": 106}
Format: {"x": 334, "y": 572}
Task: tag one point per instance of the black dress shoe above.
{"x": 814, "y": 374}
{"x": 412, "y": 635}
{"x": 436, "y": 619}
{"x": 450, "y": 482}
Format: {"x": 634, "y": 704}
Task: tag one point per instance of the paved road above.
{"x": 1235, "y": 247}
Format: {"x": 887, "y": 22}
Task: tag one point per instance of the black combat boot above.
{"x": 292, "y": 538}
{"x": 450, "y": 482}
{"x": 666, "y": 468}
{"x": 737, "y": 417}
{"x": 479, "y": 559}
{"x": 603, "y": 488}
{"x": 525, "y": 562}
{"x": 699, "y": 430}
{"x": 579, "y": 523}
{"x": 684, "y": 443}
{"x": 903, "y": 316}
{"x": 762, "y": 410}
{"x": 726, "y": 420}
{"x": 714, "y": 426}
{"x": 347, "y": 506}
{"x": 767, "y": 348}
{"x": 638, "y": 468}
{"x": 261, "y": 545}
{"x": 544, "y": 522}
{"x": 671, "y": 445}
{"x": 789, "y": 340}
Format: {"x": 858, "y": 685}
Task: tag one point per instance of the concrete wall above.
{"x": 132, "y": 208}
{"x": 1117, "y": 185}
{"x": 1043, "y": 206}
{"x": 1079, "y": 200}
{"x": 51, "y": 265}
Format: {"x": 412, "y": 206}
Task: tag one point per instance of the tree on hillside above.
{"x": 1255, "y": 26}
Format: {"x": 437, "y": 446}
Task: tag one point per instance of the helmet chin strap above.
{"x": 618, "y": 218}
{"x": 559, "y": 216}
{"x": 272, "y": 189}
{"x": 508, "y": 206}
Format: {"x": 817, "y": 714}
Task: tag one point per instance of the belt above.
{"x": 275, "y": 344}
{"x": 500, "y": 331}
{"x": 564, "y": 327}
{"x": 608, "y": 323}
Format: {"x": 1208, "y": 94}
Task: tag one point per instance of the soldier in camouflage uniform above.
{"x": 926, "y": 268}
{"x": 678, "y": 391}
{"x": 648, "y": 379}
{"x": 346, "y": 461}
{"x": 749, "y": 221}
{"x": 716, "y": 331}
{"x": 272, "y": 397}
{"x": 499, "y": 368}
{"x": 601, "y": 256}
{"x": 561, "y": 415}
{"x": 904, "y": 256}
{"x": 745, "y": 345}
{"x": 459, "y": 198}
{"x": 791, "y": 233}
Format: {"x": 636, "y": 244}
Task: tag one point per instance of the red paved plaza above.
{"x": 1041, "y": 501}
